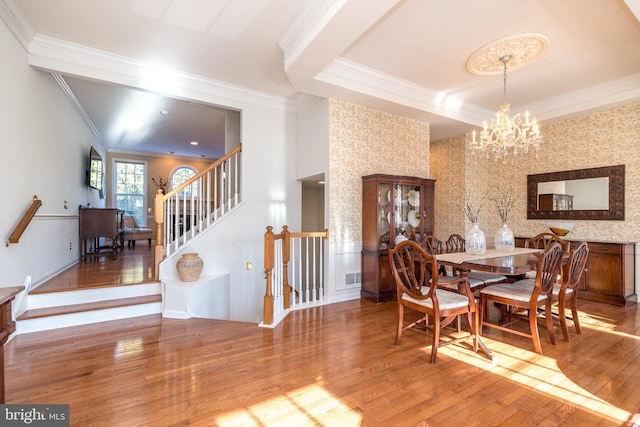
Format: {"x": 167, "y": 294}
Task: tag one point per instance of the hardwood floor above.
{"x": 132, "y": 266}
{"x": 330, "y": 365}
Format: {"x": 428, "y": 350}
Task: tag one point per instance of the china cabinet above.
{"x": 555, "y": 202}
{"x": 394, "y": 208}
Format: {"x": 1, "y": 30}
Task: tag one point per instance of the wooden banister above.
{"x": 24, "y": 222}
{"x": 279, "y": 255}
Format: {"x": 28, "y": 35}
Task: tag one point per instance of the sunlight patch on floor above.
{"x": 307, "y": 406}
{"x": 539, "y": 373}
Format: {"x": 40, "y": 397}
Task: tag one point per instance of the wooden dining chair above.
{"x": 521, "y": 295}
{"x": 566, "y": 294}
{"x": 477, "y": 279}
{"x": 542, "y": 241}
{"x": 433, "y": 245}
{"x": 418, "y": 291}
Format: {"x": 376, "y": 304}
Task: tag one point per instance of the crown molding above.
{"x": 79, "y": 108}
{"x": 322, "y": 31}
{"x": 634, "y": 7}
{"x": 624, "y": 90}
{"x": 306, "y": 28}
{"x": 62, "y": 57}
{"x": 13, "y": 17}
{"x": 355, "y": 77}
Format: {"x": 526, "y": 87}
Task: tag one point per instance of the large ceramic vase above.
{"x": 505, "y": 241}
{"x": 189, "y": 267}
{"x": 475, "y": 243}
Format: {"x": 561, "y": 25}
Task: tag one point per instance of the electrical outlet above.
{"x": 70, "y": 245}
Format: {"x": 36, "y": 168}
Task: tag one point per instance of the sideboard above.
{"x": 609, "y": 276}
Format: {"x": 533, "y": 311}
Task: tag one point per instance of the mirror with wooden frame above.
{"x": 582, "y": 194}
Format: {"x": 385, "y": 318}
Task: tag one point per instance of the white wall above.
{"x": 45, "y": 148}
{"x": 312, "y": 158}
{"x": 312, "y": 137}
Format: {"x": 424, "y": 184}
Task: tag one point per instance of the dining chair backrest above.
{"x": 543, "y": 240}
{"x": 411, "y": 265}
{"x": 455, "y": 243}
{"x": 548, "y": 270}
{"x": 431, "y": 244}
{"x": 417, "y": 291}
{"x": 575, "y": 266}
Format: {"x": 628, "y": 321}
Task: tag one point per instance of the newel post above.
{"x": 268, "y": 271}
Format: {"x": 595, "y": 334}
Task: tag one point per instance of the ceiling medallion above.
{"x": 522, "y": 48}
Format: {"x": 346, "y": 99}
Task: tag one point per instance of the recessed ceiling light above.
{"x": 194, "y": 143}
{"x": 164, "y": 112}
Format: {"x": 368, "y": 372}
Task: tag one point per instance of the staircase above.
{"x": 180, "y": 216}
{"x": 62, "y": 309}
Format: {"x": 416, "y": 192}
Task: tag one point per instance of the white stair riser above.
{"x": 86, "y": 317}
{"x": 57, "y": 299}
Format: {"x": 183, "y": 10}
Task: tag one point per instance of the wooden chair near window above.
{"x": 522, "y": 296}
{"x": 132, "y": 231}
{"x": 418, "y": 291}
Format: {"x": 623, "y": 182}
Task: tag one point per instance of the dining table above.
{"x": 515, "y": 264}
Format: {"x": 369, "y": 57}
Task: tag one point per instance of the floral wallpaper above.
{"x": 448, "y": 169}
{"x": 605, "y": 138}
{"x": 363, "y": 141}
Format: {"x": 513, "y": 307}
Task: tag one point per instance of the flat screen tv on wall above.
{"x": 95, "y": 172}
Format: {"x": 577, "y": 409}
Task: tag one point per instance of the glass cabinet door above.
{"x": 399, "y": 214}
{"x": 407, "y": 209}
{"x": 384, "y": 207}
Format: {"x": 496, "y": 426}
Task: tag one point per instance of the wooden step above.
{"x": 79, "y": 308}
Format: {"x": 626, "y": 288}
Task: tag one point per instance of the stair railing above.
{"x": 184, "y": 212}
{"x": 294, "y": 272}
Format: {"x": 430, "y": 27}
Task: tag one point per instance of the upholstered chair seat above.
{"x": 132, "y": 231}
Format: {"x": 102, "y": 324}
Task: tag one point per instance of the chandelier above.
{"x": 507, "y": 135}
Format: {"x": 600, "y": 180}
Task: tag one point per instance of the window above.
{"x": 183, "y": 174}
{"x": 131, "y": 188}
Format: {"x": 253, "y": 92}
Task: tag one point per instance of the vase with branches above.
{"x": 475, "y": 241}
{"x": 504, "y": 202}
{"x": 161, "y": 184}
